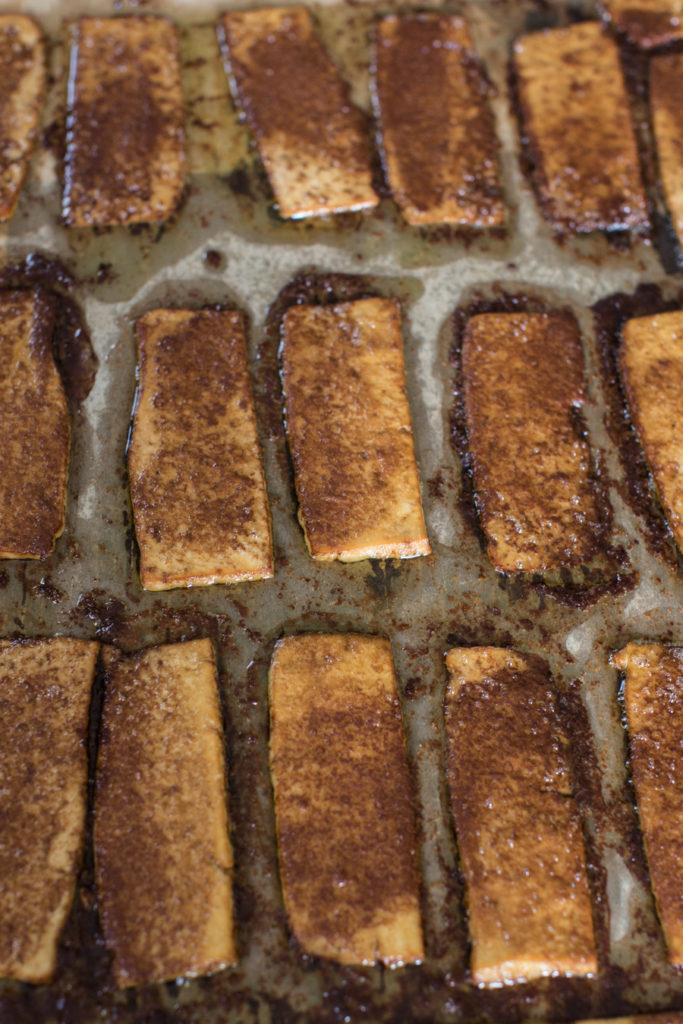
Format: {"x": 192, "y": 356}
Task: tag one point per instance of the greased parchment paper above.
{"x": 226, "y": 246}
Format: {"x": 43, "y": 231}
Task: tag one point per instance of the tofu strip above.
{"x": 22, "y": 68}
{"x": 44, "y": 700}
{"x": 647, "y": 23}
{"x": 162, "y": 851}
{"x": 199, "y": 496}
{"x": 343, "y": 801}
{"x": 310, "y": 137}
{"x": 34, "y": 426}
{"x": 125, "y": 140}
{"x": 577, "y": 118}
{"x": 666, "y": 88}
{"x": 524, "y": 386}
{"x": 653, "y": 696}
{"x": 651, "y": 366}
{"x": 348, "y": 424}
{"x": 437, "y": 130}
{"x": 517, "y": 824}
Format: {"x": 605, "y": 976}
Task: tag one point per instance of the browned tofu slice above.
{"x": 438, "y": 135}
{"x": 653, "y": 696}
{"x": 647, "y": 23}
{"x": 310, "y": 137}
{"x": 44, "y": 699}
{"x": 125, "y": 140}
{"x": 22, "y": 68}
{"x": 34, "y": 426}
{"x": 524, "y": 386}
{"x": 651, "y": 365}
{"x": 199, "y": 497}
{"x": 343, "y": 801}
{"x": 517, "y": 823}
{"x": 576, "y": 115}
{"x": 162, "y": 850}
{"x": 666, "y": 88}
{"x": 349, "y": 431}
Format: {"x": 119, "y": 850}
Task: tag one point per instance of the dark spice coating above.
{"x": 343, "y": 800}
{"x": 22, "y": 72}
{"x": 647, "y": 23}
{"x": 125, "y": 146}
{"x": 162, "y": 854}
{"x": 517, "y": 825}
{"x": 577, "y": 120}
{"x": 44, "y": 698}
{"x": 34, "y": 424}
{"x": 311, "y": 138}
{"x": 530, "y": 464}
{"x": 437, "y": 129}
{"x": 653, "y": 697}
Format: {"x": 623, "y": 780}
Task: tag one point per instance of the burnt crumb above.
{"x": 4, "y": 579}
{"x": 48, "y": 590}
{"x": 108, "y": 614}
{"x": 213, "y": 259}
{"x": 105, "y": 273}
{"x": 436, "y": 486}
{"x": 240, "y": 182}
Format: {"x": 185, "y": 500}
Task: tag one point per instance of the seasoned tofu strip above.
{"x": 653, "y": 696}
{"x": 125, "y": 141}
{"x": 162, "y": 851}
{"x": 576, "y": 115}
{"x": 666, "y": 88}
{"x": 22, "y": 69}
{"x": 310, "y": 137}
{"x": 343, "y": 801}
{"x": 197, "y": 486}
{"x": 517, "y": 824}
{"x": 438, "y": 135}
{"x": 44, "y": 699}
{"x": 647, "y": 23}
{"x": 349, "y": 431}
{"x": 524, "y": 386}
{"x": 651, "y": 365}
{"x": 34, "y": 426}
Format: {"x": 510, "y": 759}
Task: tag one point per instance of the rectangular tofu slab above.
{"x": 653, "y": 696}
{"x": 517, "y": 824}
{"x": 311, "y": 139}
{"x": 196, "y": 479}
{"x": 666, "y": 88}
{"x": 125, "y": 140}
{"x": 437, "y": 130}
{"x": 647, "y": 23}
{"x": 343, "y": 800}
{"x": 577, "y": 119}
{"x": 349, "y": 431}
{"x": 44, "y": 700}
{"x": 22, "y": 71}
{"x": 651, "y": 366}
{"x": 34, "y": 426}
{"x": 163, "y": 856}
{"x": 523, "y": 377}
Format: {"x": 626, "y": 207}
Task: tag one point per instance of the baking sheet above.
{"x": 227, "y": 246}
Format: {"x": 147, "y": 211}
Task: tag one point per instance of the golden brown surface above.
{"x": 646, "y": 22}
{"x": 199, "y": 496}
{"x": 310, "y": 138}
{"x": 125, "y": 141}
{"x": 44, "y": 699}
{"x": 438, "y": 134}
{"x": 666, "y": 89}
{"x": 653, "y": 696}
{"x": 22, "y": 72}
{"x": 343, "y": 800}
{"x": 517, "y": 824}
{"x": 162, "y": 851}
{"x": 576, "y": 115}
{"x": 349, "y": 431}
{"x": 34, "y": 426}
{"x": 651, "y": 365}
{"x": 524, "y": 390}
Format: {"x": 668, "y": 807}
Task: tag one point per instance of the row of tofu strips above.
{"x": 343, "y": 802}
{"x": 125, "y": 157}
{"x": 197, "y": 484}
